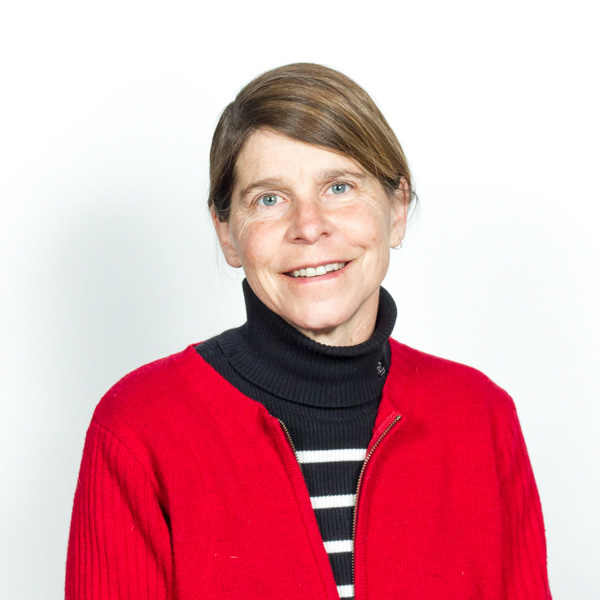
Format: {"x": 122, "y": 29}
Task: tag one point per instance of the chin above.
{"x": 319, "y": 321}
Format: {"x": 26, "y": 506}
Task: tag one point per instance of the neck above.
{"x": 277, "y": 357}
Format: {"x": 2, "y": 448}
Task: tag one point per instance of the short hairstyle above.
{"x": 312, "y": 104}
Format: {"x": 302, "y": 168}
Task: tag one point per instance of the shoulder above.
{"x": 160, "y": 401}
{"x": 150, "y": 396}
{"x": 420, "y": 363}
{"x": 442, "y": 385}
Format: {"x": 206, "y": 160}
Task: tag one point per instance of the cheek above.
{"x": 252, "y": 241}
{"x": 370, "y": 226}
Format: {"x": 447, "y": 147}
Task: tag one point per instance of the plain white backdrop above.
{"x": 108, "y": 259}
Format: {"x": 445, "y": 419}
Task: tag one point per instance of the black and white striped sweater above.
{"x": 326, "y": 396}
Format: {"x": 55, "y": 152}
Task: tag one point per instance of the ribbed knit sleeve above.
{"x": 525, "y": 571}
{"x": 119, "y": 545}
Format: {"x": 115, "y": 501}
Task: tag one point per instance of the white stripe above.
{"x": 338, "y": 546}
{"x": 346, "y": 591}
{"x": 340, "y": 501}
{"x": 320, "y": 456}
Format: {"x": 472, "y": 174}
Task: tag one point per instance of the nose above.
{"x": 309, "y": 222}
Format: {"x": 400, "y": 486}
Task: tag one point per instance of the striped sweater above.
{"x": 327, "y": 400}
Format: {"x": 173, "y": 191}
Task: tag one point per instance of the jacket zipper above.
{"x": 289, "y": 437}
{"x": 360, "y": 477}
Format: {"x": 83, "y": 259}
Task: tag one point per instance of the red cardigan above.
{"x": 188, "y": 490}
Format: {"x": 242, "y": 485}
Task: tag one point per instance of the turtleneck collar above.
{"x": 272, "y": 354}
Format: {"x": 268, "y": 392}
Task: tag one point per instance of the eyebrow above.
{"x": 277, "y": 182}
{"x": 262, "y": 184}
{"x": 341, "y": 173}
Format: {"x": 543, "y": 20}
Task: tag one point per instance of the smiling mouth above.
{"x": 317, "y": 271}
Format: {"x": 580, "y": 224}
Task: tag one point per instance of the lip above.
{"x": 315, "y": 265}
{"x": 327, "y": 275}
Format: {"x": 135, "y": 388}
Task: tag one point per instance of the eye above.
{"x": 269, "y": 200}
{"x": 339, "y": 188}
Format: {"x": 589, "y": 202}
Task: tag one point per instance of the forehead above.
{"x": 268, "y": 154}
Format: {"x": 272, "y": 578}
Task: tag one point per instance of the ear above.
{"x": 225, "y": 240}
{"x": 399, "y": 208}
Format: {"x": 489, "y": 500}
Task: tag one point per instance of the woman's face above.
{"x": 312, "y": 231}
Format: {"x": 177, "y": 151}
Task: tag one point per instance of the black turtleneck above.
{"x": 327, "y": 396}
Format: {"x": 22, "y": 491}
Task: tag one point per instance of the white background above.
{"x": 108, "y": 260}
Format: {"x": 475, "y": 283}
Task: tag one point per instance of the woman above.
{"x": 306, "y": 454}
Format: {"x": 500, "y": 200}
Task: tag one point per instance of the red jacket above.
{"x": 190, "y": 490}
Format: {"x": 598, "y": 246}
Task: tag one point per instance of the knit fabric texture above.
{"x": 189, "y": 489}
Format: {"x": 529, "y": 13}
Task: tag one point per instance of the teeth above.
{"x": 316, "y": 271}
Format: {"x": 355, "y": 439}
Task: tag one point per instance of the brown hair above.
{"x": 313, "y": 104}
